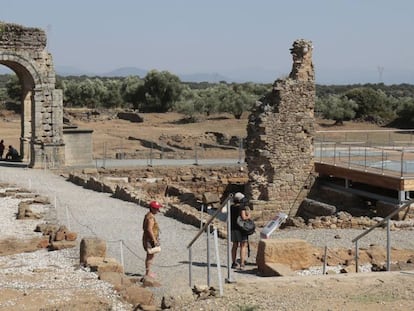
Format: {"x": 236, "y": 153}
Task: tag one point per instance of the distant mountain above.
{"x": 203, "y": 77}
{"x": 134, "y": 71}
{"x": 325, "y": 76}
{"x": 125, "y": 72}
{"x": 71, "y": 71}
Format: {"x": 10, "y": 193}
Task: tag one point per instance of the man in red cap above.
{"x": 150, "y": 238}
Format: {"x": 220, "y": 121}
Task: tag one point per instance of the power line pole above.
{"x": 380, "y": 73}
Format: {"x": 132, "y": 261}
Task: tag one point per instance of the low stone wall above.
{"x": 182, "y": 204}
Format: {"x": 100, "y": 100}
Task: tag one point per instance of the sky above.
{"x": 355, "y": 41}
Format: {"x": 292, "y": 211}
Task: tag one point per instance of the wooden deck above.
{"x": 384, "y": 179}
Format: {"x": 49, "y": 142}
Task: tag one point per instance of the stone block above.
{"x": 297, "y": 254}
{"x": 137, "y": 295}
{"x": 276, "y": 269}
{"x": 118, "y": 280}
{"x": 71, "y": 236}
{"x": 104, "y": 264}
{"x": 92, "y": 247}
{"x": 58, "y": 245}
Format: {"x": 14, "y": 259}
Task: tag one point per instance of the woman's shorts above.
{"x": 238, "y": 236}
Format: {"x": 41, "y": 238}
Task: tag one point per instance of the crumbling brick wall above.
{"x": 279, "y": 144}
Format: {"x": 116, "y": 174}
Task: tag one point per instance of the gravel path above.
{"x": 93, "y": 214}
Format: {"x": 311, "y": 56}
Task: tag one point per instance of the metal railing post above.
{"x": 386, "y": 219}
{"x": 388, "y": 245}
{"x": 227, "y": 202}
{"x": 229, "y": 277}
{"x": 218, "y": 261}
{"x": 208, "y": 256}
{"x": 349, "y": 156}
{"x": 195, "y": 154}
{"x": 402, "y": 162}
{"x": 324, "y": 260}
{"x": 190, "y": 264}
{"x": 365, "y": 158}
{"x": 356, "y": 256}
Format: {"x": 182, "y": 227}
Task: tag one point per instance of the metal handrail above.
{"x": 206, "y": 228}
{"x": 230, "y": 197}
{"x": 387, "y": 220}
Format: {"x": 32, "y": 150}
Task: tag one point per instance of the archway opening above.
{"x": 18, "y": 102}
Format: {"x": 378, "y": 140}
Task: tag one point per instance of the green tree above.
{"x": 71, "y": 94}
{"x": 129, "y": 90}
{"x": 405, "y": 112}
{"x": 14, "y": 88}
{"x": 159, "y": 92}
{"x": 338, "y": 108}
{"x": 111, "y": 97}
{"x": 372, "y": 104}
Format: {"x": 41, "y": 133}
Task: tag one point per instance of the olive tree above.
{"x": 338, "y": 108}
{"x": 159, "y": 92}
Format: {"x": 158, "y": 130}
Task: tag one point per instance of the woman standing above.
{"x": 238, "y": 237}
{"x": 150, "y": 238}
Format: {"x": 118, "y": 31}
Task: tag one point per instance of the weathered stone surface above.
{"x": 39, "y": 199}
{"x": 210, "y": 197}
{"x": 276, "y": 269}
{"x": 43, "y": 243}
{"x": 61, "y": 233}
{"x": 47, "y": 229}
{"x": 57, "y": 245}
{"x": 24, "y": 211}
{"x": 316, "y": 208}
{"x": 71, "y": 236}
{"x": 136, "y": 294}
{"x": 130, "y": 116}
{"x": 92, "y": 247}
{"x": 150, "y": 282}
{"x": 349, "y": 269}
{"x": 377, "y": 254}
{"x": 104, "y": 264}
{"x": 297, "y": 254}
{"x": 118, "y": 280}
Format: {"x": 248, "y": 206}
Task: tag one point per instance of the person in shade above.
{"x": 12, "y": 154}
{"x": 1, "y": 149}
{"x": 150, "y": 237}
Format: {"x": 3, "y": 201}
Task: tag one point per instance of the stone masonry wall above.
{"x": 13, "y": 36}
{"x": 279, "y": 144}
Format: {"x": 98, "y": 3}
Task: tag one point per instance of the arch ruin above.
{"x": 23, "y": 50}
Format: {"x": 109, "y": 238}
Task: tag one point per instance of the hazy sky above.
{"x": 355, "y": 41}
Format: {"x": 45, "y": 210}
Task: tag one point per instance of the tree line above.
{"x": 162, "y": 91}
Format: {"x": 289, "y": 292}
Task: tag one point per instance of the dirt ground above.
{"x": 363, "y": 291}
{"x": 112, "y": 135}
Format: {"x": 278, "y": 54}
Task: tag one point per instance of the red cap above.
{"x": 155, "y": 204}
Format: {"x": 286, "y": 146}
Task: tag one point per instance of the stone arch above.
{"x": 23, "y": 50}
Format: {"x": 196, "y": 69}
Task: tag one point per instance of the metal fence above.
{"x": 386, "y": 152}
{"x": 151, "y": 152}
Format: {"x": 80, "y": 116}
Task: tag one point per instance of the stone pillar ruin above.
{"x": 279, "y": 143}
{"x": 23, "y": 50}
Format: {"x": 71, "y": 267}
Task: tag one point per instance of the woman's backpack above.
{"x": 246, "y": 226}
